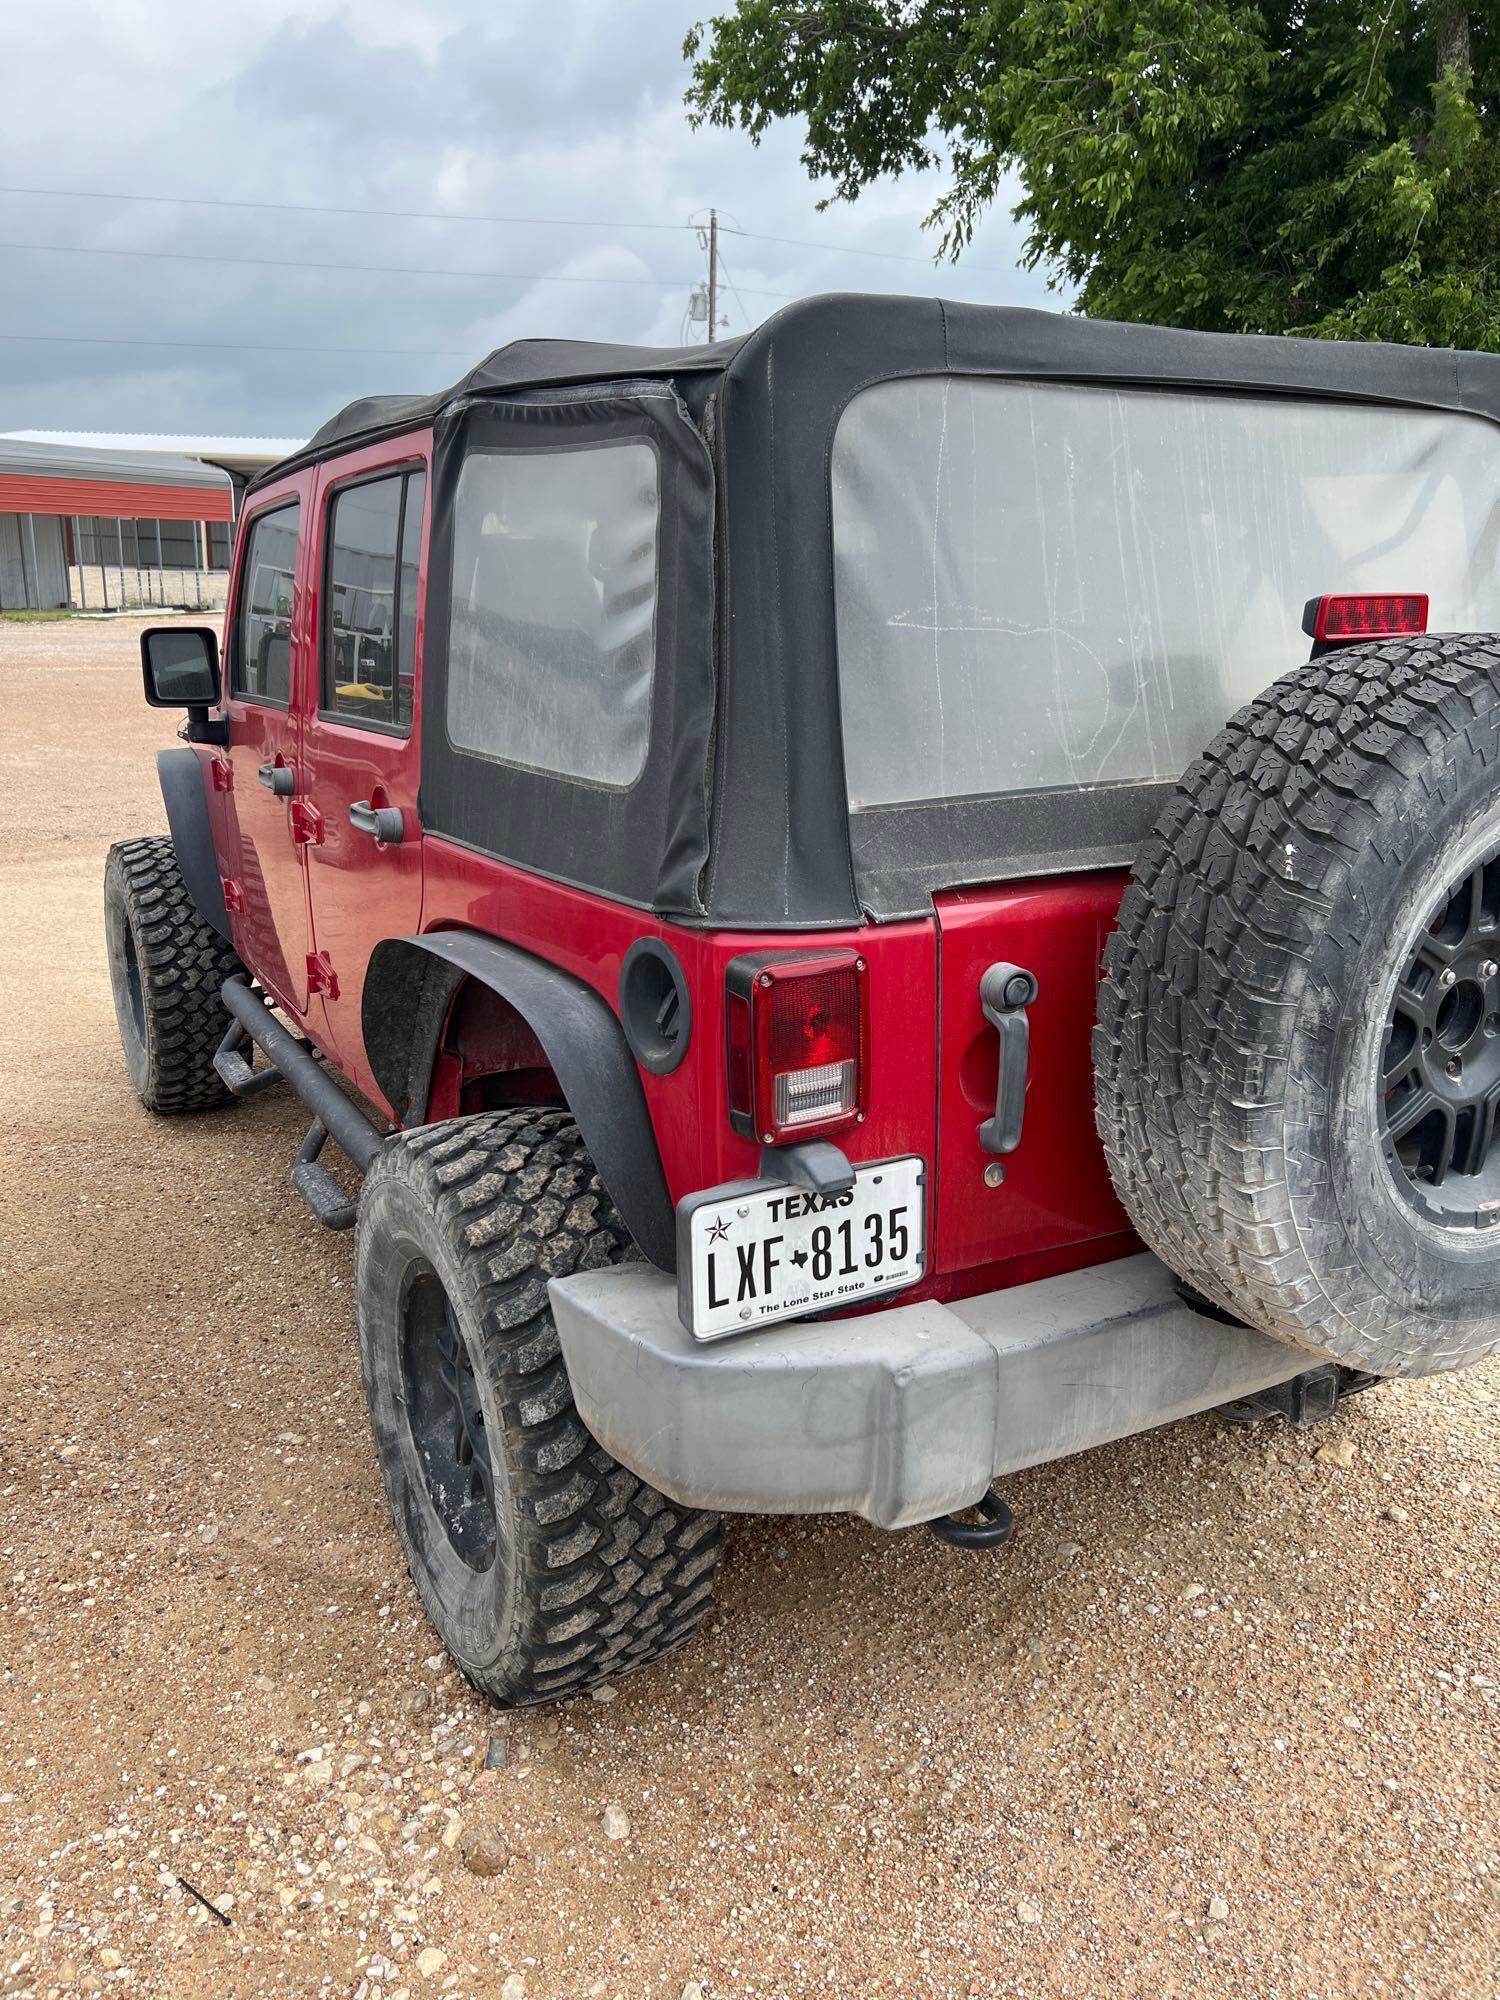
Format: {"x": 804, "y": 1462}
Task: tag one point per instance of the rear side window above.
{"x": 262, "y": 668}
{"x": 552, "y": 644}
{"x": 1042, "y": 585}
{"x": 370, "y": 615}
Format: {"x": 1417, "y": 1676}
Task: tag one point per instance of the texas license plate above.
{"x": 758, "y": 1254}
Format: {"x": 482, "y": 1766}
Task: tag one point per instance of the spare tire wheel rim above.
{"x": 1438, "y": 1092}
{"x": 446, "y": 1417}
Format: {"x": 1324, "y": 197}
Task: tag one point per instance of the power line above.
{"x": 231, "y": 346}
{"x": 305, "y": 264}
{"x": 729, "y": 280}
{"x": 807, "y": 243}
{"x": 326, "y": 208}
{"x": 849, "y": 250}
{"x": 464, "y": 215}
{"x": 377, "y": 270}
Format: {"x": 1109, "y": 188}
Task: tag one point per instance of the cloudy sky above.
{"x": 558, "y": 121}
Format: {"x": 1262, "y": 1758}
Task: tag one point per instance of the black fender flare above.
{"x": 408, "y": 987}
{"x": 181, "y": 777}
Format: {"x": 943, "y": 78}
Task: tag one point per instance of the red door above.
{"x": 267, "y": 638}
{"x": 362, "y": 732}
{"x": 1050, "y": 1206}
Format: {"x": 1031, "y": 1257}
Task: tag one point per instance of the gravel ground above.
{"x": 1222, "y": 1720}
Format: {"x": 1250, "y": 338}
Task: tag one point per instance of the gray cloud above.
{"x": 533, "y": 79}
{"x": 570, "y": 110}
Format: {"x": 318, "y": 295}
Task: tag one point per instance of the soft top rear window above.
{"x": 1048, "y": 585}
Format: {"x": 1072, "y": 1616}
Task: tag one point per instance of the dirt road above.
{"x": 1222, "y": 1721}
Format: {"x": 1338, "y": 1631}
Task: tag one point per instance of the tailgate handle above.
{"x": 1005, "y": 992}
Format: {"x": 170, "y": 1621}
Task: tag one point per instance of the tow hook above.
{"x": 991, "y": 1529}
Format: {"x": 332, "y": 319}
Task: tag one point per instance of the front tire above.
{"x": 167, "y": 966}
{"x": 545, "y": 1566}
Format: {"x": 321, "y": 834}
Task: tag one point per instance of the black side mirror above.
{"x": 180, "y": 668}
{"x": 180, "y": 664}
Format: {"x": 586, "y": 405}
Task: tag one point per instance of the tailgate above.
{"x": 1054, "y": 1208}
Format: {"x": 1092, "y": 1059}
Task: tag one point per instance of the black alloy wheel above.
{"x": 447, "y": 1418}
{"x": 135, "y": 991}
{"x": 1440, "y": 1083}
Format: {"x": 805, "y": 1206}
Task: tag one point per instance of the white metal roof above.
{"x": 238, "y": 450}
{"x": 29, "y": 458}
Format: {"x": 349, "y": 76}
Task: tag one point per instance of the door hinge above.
{"x": 223, "y": 774}
{"x": 234, "y": 894}
{"x": 307, "y": 824}
{"x": 321, "y": 977}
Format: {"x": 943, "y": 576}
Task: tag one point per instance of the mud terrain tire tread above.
{"x": 183, "y": 963}
{"x": 1252, "y": 908}
{"x": 609, "y": 1574}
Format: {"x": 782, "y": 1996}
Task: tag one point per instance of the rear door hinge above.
{"x": 307, "y": 824}
{"x": 234, "y": 894}
{"x": 321, "y": 977}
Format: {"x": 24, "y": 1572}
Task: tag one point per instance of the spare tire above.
{"x": 1297, "y": 1055}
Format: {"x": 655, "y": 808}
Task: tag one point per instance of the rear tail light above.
{"x": 798, "y": 1043}
{"x": 1337, "y": 620}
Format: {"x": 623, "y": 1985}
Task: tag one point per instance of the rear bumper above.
{"x": 901, "y": 1415}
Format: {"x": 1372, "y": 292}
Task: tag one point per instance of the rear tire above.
{"x": 545, "y": 1566}
{"x": 1298, "y": 1048}
{"x": 167, "y": 965}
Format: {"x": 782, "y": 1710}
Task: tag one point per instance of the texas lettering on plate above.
{"x": 773, "y": 1253}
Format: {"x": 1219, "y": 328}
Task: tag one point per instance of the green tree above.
{"x": 1330, "y": 167}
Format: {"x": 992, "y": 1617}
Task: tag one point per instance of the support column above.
{"x": 36, "y": 574}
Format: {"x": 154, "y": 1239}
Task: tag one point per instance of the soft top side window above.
{"x": 567, "y": 650}
{"x": 368, "y": 652}
{"x": 552, "y": 645}
{"x": 261, "y": 654}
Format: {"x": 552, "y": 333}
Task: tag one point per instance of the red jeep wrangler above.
{"x": 689, "y": 797}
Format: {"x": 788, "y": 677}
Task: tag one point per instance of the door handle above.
{"x": 280, "y": 780}
{"x": 387, "y": 824}
{"x": 1005, "y": 992}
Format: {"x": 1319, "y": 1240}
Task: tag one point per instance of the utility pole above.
{"x": 713, "y": 274}
{"x": 703, "y": 300}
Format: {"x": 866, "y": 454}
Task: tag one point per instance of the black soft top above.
{"x": 746, "y": 819}
{"x": 521, "y": 364}
{"x": 876, "y": 335}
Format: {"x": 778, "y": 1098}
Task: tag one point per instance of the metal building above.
{"x": 242, "y": 456}
{"x": 70, "y": 516}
